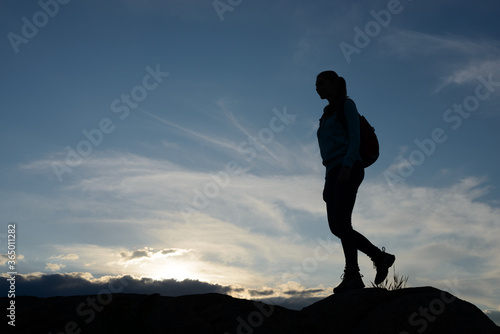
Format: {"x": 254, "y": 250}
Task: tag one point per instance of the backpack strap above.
{"x": 341, "y": 116}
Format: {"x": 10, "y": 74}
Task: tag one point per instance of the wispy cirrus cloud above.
{"x": 408, "y": 43}
{"x": 455, "y": 59}
{"x": 70, "y": 257}
{"x": 218, "y": 141}
{"x": 258, "y": 228}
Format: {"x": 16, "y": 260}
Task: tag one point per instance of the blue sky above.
{"x": 174, "y": 139}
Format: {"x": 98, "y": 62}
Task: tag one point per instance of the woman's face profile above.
{"x": 325, "y": 88}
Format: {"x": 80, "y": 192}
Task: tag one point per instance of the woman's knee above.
{"x": 340, "y": 231}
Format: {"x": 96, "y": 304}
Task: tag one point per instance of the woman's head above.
{"x": 330, "y": 86}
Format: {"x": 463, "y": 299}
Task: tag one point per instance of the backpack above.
{"x": 369, "y": 146}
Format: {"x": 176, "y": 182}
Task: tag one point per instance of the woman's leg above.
{"x": 340, "y": 199}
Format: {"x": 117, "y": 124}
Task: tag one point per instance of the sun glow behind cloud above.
{"x": 263, "y": 232}
{"x": 161, "y": 264}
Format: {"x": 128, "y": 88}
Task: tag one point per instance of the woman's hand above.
{"x": 344, "y": 174}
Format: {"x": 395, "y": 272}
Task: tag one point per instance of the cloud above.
{"x": 3, "y": 259}
{"x": 135, "y": 254}
{"x": 457, "y": 60}
{"x": 471, "y": 72}
{"x": 46, "y": 285}
{"x": 260, "y": 293}
{"x": 438, "y": 234}
{"x": 196, "y": 135}
{"x": 291, "y": 295}
{"x": 303, "y": 293}
{"x": 54, "y": 266}
{"x": 262, "y": 230}
{"x": 148, "y": 253}
{"x": 169, "y": 251}
{"x": 79, "y": 283}
{"x": 70, "y": 257}
{"x": 408, "y": 42}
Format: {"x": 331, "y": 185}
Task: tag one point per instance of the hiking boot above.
{"x": 382, "y": 263}
{"x": 351, "y": 280}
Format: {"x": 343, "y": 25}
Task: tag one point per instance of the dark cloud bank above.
{"x": 51, "y": 285}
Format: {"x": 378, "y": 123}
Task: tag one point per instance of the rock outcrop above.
{"x": 372, "y": 310}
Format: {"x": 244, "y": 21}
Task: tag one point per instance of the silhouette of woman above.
{"x": 339, "y": 140}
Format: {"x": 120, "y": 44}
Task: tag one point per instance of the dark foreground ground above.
{"x": 412, "y": 310}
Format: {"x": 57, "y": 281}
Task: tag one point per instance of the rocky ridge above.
{"x": 372, "y": 310}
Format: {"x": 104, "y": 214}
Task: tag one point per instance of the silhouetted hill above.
{"x": 412, "y": 310}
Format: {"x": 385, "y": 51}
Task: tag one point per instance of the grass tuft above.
{"x": 398, "y": 282}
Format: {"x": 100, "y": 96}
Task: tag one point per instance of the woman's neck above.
{"x": 334, "y": 100}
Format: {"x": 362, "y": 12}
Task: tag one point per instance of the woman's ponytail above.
{"x": 341, "y": 88}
